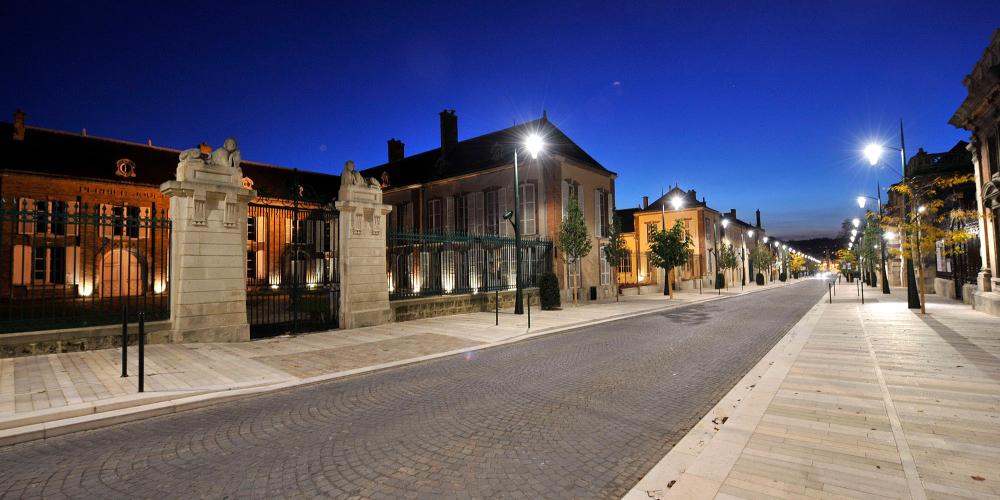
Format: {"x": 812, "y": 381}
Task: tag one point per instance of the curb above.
{"x": 699, "y": 462}
{"x": 90, "y": 416}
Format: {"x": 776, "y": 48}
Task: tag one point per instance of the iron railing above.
{"x": 421, "y": 265}
{"x": 292, "y": 280}
{"x": 66, "y": 264}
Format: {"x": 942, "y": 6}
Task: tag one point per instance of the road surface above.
{"x": 581, "y": 414}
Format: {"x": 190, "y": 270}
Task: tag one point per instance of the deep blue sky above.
{"x": 754, "y": 104}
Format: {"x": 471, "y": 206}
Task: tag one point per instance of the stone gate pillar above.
{"x": 208, "y": 211}
{"x": 364, "y": 288}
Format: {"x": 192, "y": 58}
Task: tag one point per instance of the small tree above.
{"x": 615, "y": 251}
{"x": 927, "y": 221}
{"x": 796, "y": 264}
{"x": 847, "y": 260}
{"x": 728, "y": 260}
{"x": 573, "y": 240}
{"x": 761, "y": 258}
{"x": 669, "y": 249}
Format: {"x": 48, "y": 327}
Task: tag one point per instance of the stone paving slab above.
{"x": 858, "y": 401}
{"x": 45, "y": 388}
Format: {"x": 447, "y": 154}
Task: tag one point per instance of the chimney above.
{"x": 84, "y": 133}
{"x": 18, "y": 125}
{"x": 758, "y": 218}
{"x": 693, "y": 194}
{"x": 645, "y": 202}
{"x": 395, "y": 150}
{"x": 732, "y": 213}
{"x": 449, "y": 130}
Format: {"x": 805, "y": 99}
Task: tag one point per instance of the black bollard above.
{"x": 142, "y": 349}
{"x": 496, "y": 303}
{"x": 529, "y": 310}
{"x": 125, "y": 341}
{"x": 829, "y": 290}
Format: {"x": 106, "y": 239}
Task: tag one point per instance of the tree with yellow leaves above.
{"x": 928, "y": 220}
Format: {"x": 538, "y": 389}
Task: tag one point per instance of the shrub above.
{"x": 759, "y": 278}
{"x": 782, "y": 277}
{"x": 548, "y": 291}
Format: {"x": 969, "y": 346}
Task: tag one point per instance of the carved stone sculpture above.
{"x": 351, "y": 177}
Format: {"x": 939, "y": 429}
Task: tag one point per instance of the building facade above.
{"x": 979, "y": 113}
{"x": 467, "y": 187}
{"x": 708, "y": 229}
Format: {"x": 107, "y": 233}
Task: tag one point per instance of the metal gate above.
{"x": 292, "y": 280}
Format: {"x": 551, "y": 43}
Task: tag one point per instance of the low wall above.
{"x": 446, "y": 305}
{"x": 968, "y": 292}
{"x": 945, "y": 288}
{"x": 13, "y": 345}
{"x": 987, "y": 302}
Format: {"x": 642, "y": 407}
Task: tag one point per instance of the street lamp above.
{"x": 862, "y": 200}
{"x": 856, "y": 222}
{"x": 534, "y": 144}
{"x": 677, "y": 202}
{"x": 873, "y": 152}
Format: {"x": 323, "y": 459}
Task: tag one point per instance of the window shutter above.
{"x": 611, "y": 209}
{"x": 26, "y": 216}
{"x": 579, "y": 200}
{"x": 261, "y": 229}
{"x": 261, "y": 264}
{"x": 598, "y": 227}
{"x": 565, "y": 198}
{"x": 48, "y": 266}
{"x": 449, "y": 214}
{"x": 22, "y": 264}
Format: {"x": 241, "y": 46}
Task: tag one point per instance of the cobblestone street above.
{"x": 581, "y": 414}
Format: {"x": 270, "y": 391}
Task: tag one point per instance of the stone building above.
{"x": 705, "y": 226}
{"x": 979, "y": 113}
{"x": 467, "y": 186}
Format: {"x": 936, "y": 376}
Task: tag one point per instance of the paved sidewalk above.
{"x": 869, "y": 401}
{"x": 43, "y": 390}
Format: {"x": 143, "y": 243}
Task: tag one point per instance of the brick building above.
{"x": 85, "y": 225}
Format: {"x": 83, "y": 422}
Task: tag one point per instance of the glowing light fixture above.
{"x": 921, "y": 209}
{"x": 873, "y": 152}
{"x": 725, "y": 223}
{"x": 533, "y": 143}
{"x": 750, "y": 233}
{"x": 889, "y": 235}
{"x": 861, "y": 202}
{"x": 677, "y": 202}
{"x": 856, "y": 221}
{"x": 765, "y": 239}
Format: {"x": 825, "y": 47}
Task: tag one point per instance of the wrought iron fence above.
{"x": 66, "y": 264}
{"x": 421, "y": 265}
{"x": 292, "y": 280}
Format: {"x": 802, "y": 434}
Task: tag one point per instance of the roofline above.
{"x": 75, "y": 177}
{"x": 158, "y": 148}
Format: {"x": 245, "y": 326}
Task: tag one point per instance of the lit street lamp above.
{"x": 873, "y": 152}
{"x": 533, "y": 144}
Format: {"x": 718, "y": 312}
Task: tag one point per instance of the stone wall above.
{"x": 78, "y": 339}
{"x": 446, "y": 305}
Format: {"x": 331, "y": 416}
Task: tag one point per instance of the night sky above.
{"x": 754, "y": 104}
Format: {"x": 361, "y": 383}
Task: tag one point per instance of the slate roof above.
{"x": 690, "y": 199}
{"x": 479, "y": 153}
{"x": 626, "y": 217}
{"x": 955, "y": 160}
{"x": 66, "y": 154}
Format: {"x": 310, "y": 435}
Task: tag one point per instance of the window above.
{"x": 625, "y": 266}
{"x": 573, "y": 275}
{"x": 251, "y": 229}
{"x": 434, "y": 215}
{"x": 601, "y": 202}
{"x": 38, "y": 266}
{"x": 58, "y": 225}
{"x": 57, "y": 265}
{"x": 605, "y": 268}
{"x": 528, "y": 214}
{"x": 404, "y": 217}
{"x": 41, "y": 216}
{"x": 461, "y": 216}
{"x": 493, "y": 211}
{"x": 117, "y": 220}
{"x": 651, "y": 229}
{"x": 993, "y": 150}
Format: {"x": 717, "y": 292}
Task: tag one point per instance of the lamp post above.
{"x": 533, "y": 143}
{"x": 862, "y": 201}
{"x": 873, "y": 152}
